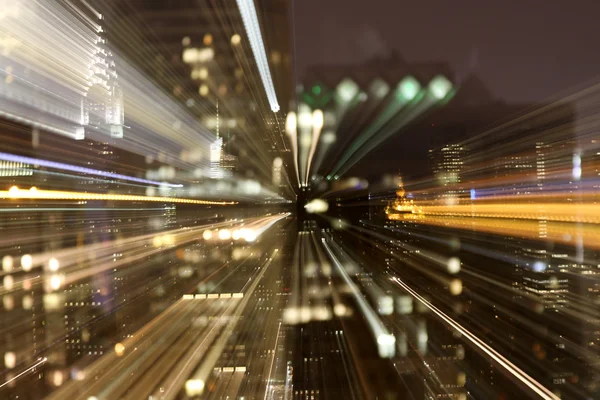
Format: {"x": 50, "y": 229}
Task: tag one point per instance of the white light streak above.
{"x": 317, "y": 120}
{"x": 292, "y": 131}
{"x": 258, "y": 49}
{"x": 534, "y": 385}
{"x": 34, "y": 366}
{"x": 385, "y": 340}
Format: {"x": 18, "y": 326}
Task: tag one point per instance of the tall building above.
{"x": 447, "y": 164}
{"x": 102, "y": 108}
{"x": 198, "y": 51}
{"x": 216, "y": 150}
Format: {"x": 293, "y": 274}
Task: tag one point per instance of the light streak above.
{"x": 258, "y": 49}
{"x": 562, "y": 232}
{"x": 385, "y": 340}
{"x": 409, "y": 103}
{"x": 559, "y": 212}
{"x": 83, "y": 170}
{"x": 317, "y": 119}
{"x": 66, "y": 195}
{"x": 136, "y": 247}
{"x": 291, "y": 130}
{"x": 304, "y": 139}
{"x": 272, "y": 361}
{"x": 34, "y": 366}
{"x": 210, "y": 357}
{"x": 534, "y": 385}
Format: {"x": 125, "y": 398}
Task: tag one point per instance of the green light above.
{"x": 316, "y": 90}
{"x": 408, "y": 88}
{"x": 439, "y": 87}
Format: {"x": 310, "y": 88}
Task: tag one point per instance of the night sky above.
{"x": 524, "y": 50}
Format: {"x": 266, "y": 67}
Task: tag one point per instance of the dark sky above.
{"x": 524, "y": 50}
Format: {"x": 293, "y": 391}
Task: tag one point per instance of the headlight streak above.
{"x": 534, "y": 385}
{"x": 252, "y": 26}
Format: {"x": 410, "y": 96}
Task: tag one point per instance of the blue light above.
{"x": 539, "y": 266}
{"x": 472, "y": 194}
{"x": 74, "y": 168}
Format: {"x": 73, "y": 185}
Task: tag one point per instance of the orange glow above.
{"x": 560, "y": 212}
{"x": 562, "y": 232}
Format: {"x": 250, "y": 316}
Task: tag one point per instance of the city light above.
{"x": 201, "y": 200}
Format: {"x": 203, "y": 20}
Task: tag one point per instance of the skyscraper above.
{"x": 216, "y": 148}
{"x": 447, "y": 163}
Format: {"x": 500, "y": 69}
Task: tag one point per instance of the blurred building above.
{"x": 200, "y": 59}
{"x": 447, "y": 164}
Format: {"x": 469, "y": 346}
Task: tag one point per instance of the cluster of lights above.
{"x": 197, "y": 56}
{"x": 34, "y": 193}
{"x": 258, "y": 49}
{"x": 8, "y": 168}
{"x": 247, "y": 234}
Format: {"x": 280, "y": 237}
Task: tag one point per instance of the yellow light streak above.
{"x": 560, "y": 212}
{"x": 15, "y": 193}
{"x": 561, "y": 232}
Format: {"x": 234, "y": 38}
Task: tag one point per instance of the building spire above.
{"x": 217, "y": 118}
